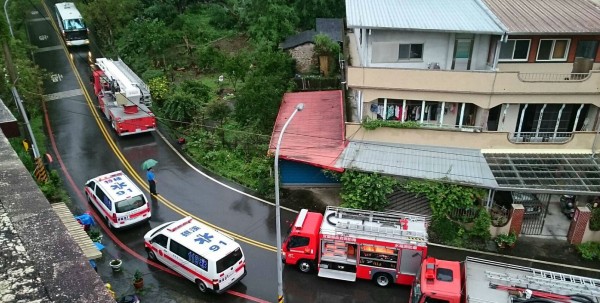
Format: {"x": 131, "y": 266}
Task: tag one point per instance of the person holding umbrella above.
{"x": 148, "y": 165}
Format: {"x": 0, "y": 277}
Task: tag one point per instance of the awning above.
{"x": 547, "y": 173}
{"x": 80, "y": 237}
{"x": 447, "y": 164}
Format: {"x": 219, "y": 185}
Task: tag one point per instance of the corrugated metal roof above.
{"x": 316, "y": 135}
{"x": 468, "y": 16}
{"x": 547, "y": 16}
{"x": 456, "y": 165}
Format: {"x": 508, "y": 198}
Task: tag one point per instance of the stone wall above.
{"x": 304, "y": 56}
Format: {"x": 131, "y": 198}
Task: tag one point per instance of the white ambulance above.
{"x": 198, "y": 252}
{"x": 120, "y": 202}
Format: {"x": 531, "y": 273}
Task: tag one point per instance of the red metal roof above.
{"x": 316, "y": 134}
{"x": 547, "y": 16}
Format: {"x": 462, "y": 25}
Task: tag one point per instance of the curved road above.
{"x": 84, "y": 146}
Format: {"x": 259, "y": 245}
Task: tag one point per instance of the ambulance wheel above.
{"x": 201, "y": 286}
{"x": 151, "y": 255}
{"x": 304, "y": 266}
{"x": 382, "y": 280}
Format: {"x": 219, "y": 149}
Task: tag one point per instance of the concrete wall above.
{"x": 579, "y": 142}
{"x": 509, "y": 120}
{"x": 437, "y": 47}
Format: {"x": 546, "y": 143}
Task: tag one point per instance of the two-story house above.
{"x": 515, "y": 81}
{"x": 516, "y": 67}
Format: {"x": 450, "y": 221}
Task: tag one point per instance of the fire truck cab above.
{"x": 478, "y": 280}
{"x": 347, "y": 244}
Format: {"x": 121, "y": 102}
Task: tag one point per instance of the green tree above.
{"x": 268, "y": 21}
{"x": 109, "y": 18}
{"x": 181, "y": 107}
{"x": 258, "y": 100}
{"x": 362, "y": 190}
{"x": 236, "y": 67}
{"x": 309, "y": 10}
{"x": 146, "y": 39}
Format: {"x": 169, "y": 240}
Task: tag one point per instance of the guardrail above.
{"x": 539, "y": 137}
{"x": 551, "y": 77}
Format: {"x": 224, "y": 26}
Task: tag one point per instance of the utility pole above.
{"x": 12, "y": 73}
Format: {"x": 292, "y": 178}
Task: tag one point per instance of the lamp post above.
{"x": 8, "y": 19}
{"x": 299, "y": 107}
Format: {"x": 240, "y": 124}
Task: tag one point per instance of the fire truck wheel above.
{"x": 201, "y": 286}
{"x": 382, "y": 280}
{"x": 304, "y": 266}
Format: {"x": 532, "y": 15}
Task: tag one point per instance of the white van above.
{"x": 120, "y": 202}
{"x": 71, "y": 25}
{"x": 198, "y": 252}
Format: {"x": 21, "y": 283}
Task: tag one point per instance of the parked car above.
{"x": 568, "y": 203}
{"x": 531, "y": 203}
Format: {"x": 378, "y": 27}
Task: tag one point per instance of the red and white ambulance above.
{"x": 347, "y": 244}
{"x": 120, "y": 202}
{"x": 201, "y": 254}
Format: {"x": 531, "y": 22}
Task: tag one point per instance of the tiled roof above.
{"x": 467, "y": 16}
{"x": 547, "y": 16}
{"x": 316, "y": 134}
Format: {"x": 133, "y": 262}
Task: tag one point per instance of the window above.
{"x": 586, "y": 49}
{"x": 296, "y": 241}
{"x": 553, "y": 50}
{"x": 179, "y": 249}
{"x": 91, "y": 185}
{"x": 410, "y": 51}
{"x": 73, "y": 24}
{"x": 515, "y": 50}
{"x": 130, "y": 204}
{"x": 161, "y": 240}
{"x": 444, "y": 274}
{"x": 229, "y": 260}
{"x": 433, "y": 300}
{"x": 103, "y": 198}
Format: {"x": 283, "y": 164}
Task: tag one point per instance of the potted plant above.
{"x": 95, "y": 235}
{"x": 115, "y": 264}
{"x": 138, "y": 279}
{"x": 506, "y": 240}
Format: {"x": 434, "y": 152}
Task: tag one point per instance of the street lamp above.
{"x": 299, "y": 107}
{"x": 8, "y": 19}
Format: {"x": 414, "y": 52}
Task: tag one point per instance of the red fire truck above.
{"x": 484, "y": 281}
{"x": 123, "y": 97}
{"x": 346, "y": 244}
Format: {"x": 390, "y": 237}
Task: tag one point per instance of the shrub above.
{"x": 366, "y": 190}
{"x": 371, "y": 124}
{"x": 595, "y": 219}
{"x": 481, "y": 226}
{"x": 589, "y": 250}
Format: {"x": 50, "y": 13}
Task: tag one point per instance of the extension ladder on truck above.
{"x": 549, "y": 281}
{"x": 391, "y": 225}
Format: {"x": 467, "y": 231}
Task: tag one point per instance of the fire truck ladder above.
{"x": 551, "y": 282}
{"x": 389, "y": 224}
{"x": 147, "y": 99}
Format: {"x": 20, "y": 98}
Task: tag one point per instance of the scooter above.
{"x": 567, "y": 205}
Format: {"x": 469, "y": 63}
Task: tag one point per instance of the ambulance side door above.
{"x": 159, "y": 242}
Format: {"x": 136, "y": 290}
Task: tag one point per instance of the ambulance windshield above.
{"x": 229, "y": 260}
{"x": 130, "y": 204}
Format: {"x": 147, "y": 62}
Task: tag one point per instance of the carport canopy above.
{"x": 546, "y": 173}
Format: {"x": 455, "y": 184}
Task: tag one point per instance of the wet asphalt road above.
{"x": 83, "y": 151}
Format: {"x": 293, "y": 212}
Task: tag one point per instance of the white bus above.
{"x": 70, "y": 22}
{"x": 198, "y": 252}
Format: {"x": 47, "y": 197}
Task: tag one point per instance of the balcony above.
{"x": 575, "y": 141}
{"x": 483, "y": 88}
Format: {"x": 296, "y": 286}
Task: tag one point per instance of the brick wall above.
{"x": 517, "y": 218}
{"x": 579, "y": 225}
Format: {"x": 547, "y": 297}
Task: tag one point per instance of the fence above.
{"x": 536, "y": 137}
{"x": 313, "y": 83}
{"x": 549, "y": 77}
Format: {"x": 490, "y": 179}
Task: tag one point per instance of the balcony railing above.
{"x": 537, "y": 137}
{"x": 551, "y": 77}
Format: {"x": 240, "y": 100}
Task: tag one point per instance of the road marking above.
{"x": 47, "y": 49}
{"x": 131, "y": 170}
{"x": 61, "y": 95}
{"x": 215, "y": 180}
{"x": 38, "y": 19}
